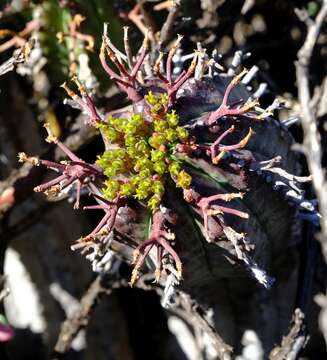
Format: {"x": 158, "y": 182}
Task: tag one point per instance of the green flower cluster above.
{"x": 142, "y": 153}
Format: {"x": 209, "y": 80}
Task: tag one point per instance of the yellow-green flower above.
{"x": 143, "y": 154}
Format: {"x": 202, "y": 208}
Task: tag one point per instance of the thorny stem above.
{"x": 81, "y": 317}
{"x": 294, "y": 341}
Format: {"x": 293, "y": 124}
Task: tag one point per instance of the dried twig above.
{"x": 189, "y": 311}
{"x": 195, "y": 317}
{"x": 19, "y": 39}
{"x": 293, "y": 342}
{"x": 247, "y": 6}
{"x": 19, "y": 56}
{"x": 167, "y": 28}
{"x": 321, "y": 300}
{"x": 311, "y": 142}
{"x": 71, "y": 327}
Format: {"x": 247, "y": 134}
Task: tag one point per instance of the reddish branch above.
{"x": 159, "y": 238}
{"x": 173, "y": 85}
{"x": 208, "y": 209}
{"x": 74, "y": 34}
{"x": 105, "y": 225}
{"x": 127, "y": 81}
{"x": 18, "y": 39}
{"x": 225, "y": 109}
{"x": 84, "y": 102}
{"x": 75, "y": 170}
{"x": 21, "y": 182}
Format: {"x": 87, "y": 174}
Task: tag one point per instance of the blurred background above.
{"x": 46, "y": 279}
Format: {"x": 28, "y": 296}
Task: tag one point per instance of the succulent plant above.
{"x": 188, "y": 174}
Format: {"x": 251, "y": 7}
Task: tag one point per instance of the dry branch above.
{"x": 19, "y": 56}
{"x": 312, "y": 141}
{"x": 196, "y": 318}
{"x": 190, "y": 311}
{"x": 293, "y": 342}
{"x": 167, "y": 28}
{"x": 71, "y": 327}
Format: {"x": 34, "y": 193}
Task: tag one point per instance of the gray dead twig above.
{"x": 293, "y": 342}
{"x": 197, "y": 319}
{"x": 190, "y": 312}
{"x": 19, "y": 56}
{"x": 80, "y": 319}
{"x": 72, "y": 326}
{"x": 308, "y": 114}
{"x": 167, "y": 28}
